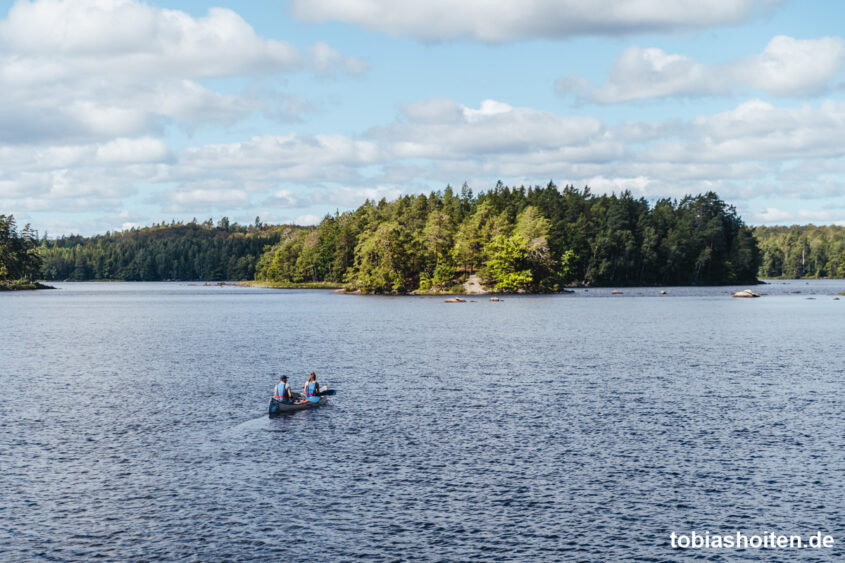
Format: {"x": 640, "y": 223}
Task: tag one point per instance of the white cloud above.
{"x": 787, "y": 67}
{"x": 202, "y": 199}
{"x": 507, "y": 21}
{"x": 435, "y": 130}
{"x": 307, "y": 220}
{"x": 286, "y": 157}
{"x": 145, "y": 149}
{"x": 637, "y": 186}
{"x": 326, "y": 60}
{"x": 129, "y": 37}
{"x": 90, "y": 70}
{"x": 645, "y": 73}
{"x": 346, "y": 196}
{"x": 774, "y": 216}
{"x": 793, "y": 67}
{"x": 282, "y": 198}
{"x": 754, "y": 150}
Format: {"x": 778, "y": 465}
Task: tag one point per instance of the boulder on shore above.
{"x": 745, "y": 293}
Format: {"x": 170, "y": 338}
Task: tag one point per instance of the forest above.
{"x": 168, "y": 251}
{"x": 805, "y": 251}
{"x": 537, "y": 239}
{"x": 20, "y": 260}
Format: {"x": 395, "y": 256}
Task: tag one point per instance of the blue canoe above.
{"x": 278, "y": 407}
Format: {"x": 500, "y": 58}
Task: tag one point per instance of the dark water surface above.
{"x": 133, "y": 424}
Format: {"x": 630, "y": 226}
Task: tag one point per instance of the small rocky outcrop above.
{"x": 473, "y": 286}
{"x": 455, "y": 300}
{"x": 745, "y": 293}
{"x": 616, "y": 292}
{"x": 496, "y": 299}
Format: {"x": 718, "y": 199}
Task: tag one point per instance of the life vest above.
{"x": 311, "y": 390}
{"x": 280, "y": 390}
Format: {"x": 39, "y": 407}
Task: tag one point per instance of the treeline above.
{"x": 801, "y": 251}
{"x": 19, "y": 257}
{"x": 174, "y": 251}
{"x": 520, "y": 239}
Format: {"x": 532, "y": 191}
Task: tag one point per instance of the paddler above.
{"x": 312, "y": 388}
{"x": 282, "y": 390}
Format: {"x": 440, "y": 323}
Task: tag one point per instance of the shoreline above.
{"x": 473, "y": 287}
{"x": 23, "y": 286}
{"x": 288, "y": 285}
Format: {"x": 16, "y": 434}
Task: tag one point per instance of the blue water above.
{"x": 590, "y": 426}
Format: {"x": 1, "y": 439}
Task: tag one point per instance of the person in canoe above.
{"x": 312, "y": 388}
{"x": 282, "y": 390}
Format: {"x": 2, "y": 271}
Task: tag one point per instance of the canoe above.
{"x": 277, "y": 407}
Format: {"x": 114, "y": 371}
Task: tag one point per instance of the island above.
{"x": 541, "y": 239}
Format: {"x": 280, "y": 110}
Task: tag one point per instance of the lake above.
{"x": 589, "y": 426}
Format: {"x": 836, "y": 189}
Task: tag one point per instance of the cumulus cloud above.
{"x": 122, "y": 151}
{"x": 347, "y": 196}
{"x": 440, "y": 141}
{"x": 754, "y": 149}
{"x": 507, "y": 21}
{"x": 88, "y": 70}
{"x": 205, "y": 199}
{"x": 447, "y": 130}
{"x": 307, "y": 219}
{"x": 787, "y": 67}
{"x": 129, "y": 37}
{"x": 327, "y": 60}
{"x": 739, "y": 153}
{"x": 270, "y": 158}
{"x": 772, "y": 215}
{"x": 282, "y": 198}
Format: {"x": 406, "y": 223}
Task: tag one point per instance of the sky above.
{"x": 122, "y": 113}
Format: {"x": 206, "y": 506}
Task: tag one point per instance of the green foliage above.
{"x": 567, "y": 269}
{"x": 532, "y": 239}
{"x": 19, "y": 258}
{"x": 801, "y": 251}
{"x": 175, "y": 251}
{"x": 516, "y": 239}
{"x": 382, "y": 261}
{"x": 506, "y": 265}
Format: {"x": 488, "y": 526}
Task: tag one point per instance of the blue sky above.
{"x": 117, "y": 113}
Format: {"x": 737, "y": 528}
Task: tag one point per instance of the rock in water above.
{"x": 745, "y": 293}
